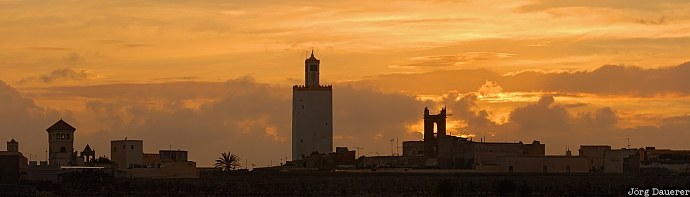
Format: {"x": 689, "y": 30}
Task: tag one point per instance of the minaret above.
{"x": 311, "y": 71}
{"x": 60, "y": 143}
{"x": 12, "y": 146}
{"x": 312, "y": 114}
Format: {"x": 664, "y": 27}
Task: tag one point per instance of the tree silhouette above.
{"x": 227, "y": 162}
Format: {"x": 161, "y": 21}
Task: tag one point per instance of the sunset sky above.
{"x": 213, "y": 76}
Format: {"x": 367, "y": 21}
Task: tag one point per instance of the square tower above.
{"x": 61, "y": 144}
{"x": 312, "y": 114}
{"x": 13, "y": 146}
{"x": 127, "y": 153}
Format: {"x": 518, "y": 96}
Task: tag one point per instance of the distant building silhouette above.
{"x": 12, "y": 146}
{"x": 127, "y": 153}
{"x": 431, "y": 138}
{"x": 61, "y": 144}
{"x": 88, "y": 154}
{"x": 312, "y": 114}
{"x": 12, "y": 164}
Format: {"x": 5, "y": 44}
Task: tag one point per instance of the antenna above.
{"x": 628, "y": 139}
{"x": 30, "y": 156}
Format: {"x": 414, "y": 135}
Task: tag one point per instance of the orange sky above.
{"x": 221, "y": 71}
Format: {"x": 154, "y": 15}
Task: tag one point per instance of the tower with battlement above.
{"x": 312, "y": 113}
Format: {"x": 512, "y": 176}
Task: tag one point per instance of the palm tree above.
{"x": 227, "y": 162}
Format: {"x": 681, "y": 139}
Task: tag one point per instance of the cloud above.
{"x": 369, "y": 118}
{"x": 51, "y": 48}
{"x": 541, "y": 117}
{"x": 60, "y": 75}
{"x": 138, "y": 45}
{"x": 605, "y": 80}
{"x": 465, "y": 109}
{"x": 661, "y": 21}
{"x": 74, "y": 58}
{"x": 608, "y": 79}
{"x": 22, "y": 119}
{"x": 489, "y": 88}
{"x": 539, "y": 5}
{"x": 556, "y": 125}
{"x": 451, "y": 60}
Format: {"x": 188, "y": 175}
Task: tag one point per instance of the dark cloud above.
{"x": 605, "y": 80}
{"x": 369, "y": 118}
{"x": 541, "y": 117}
{"x": 661, "y": 21}
{"x": 65, "y": 74}
{"x": 555, "y": 125}
{"x": 465, "y": 108}
{"x": 74, "y": 58}
{"x": 22, "y": 119}
{"x": 609, "y": 79}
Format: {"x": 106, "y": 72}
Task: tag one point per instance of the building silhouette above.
{"x": 61, "y": 144}
{"x": 127, "y": 153}
{"x": 13, "y": 146}
{"x": 312, "y": 114}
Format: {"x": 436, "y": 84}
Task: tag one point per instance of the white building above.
{"x": 127, "y": 153}
{"x": 312, "y": 114}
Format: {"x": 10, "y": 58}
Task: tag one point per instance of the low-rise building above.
{"x": 544, "y": 164}
{"x": 127, "y": 153}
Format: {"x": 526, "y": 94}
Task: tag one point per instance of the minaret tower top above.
{"x": 311, "y": 71}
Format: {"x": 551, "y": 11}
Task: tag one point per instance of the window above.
{"x": 567, "y": 169}
{"x": 131, "y": 147}
{"x": 510, "y": 169}
{"x": 313, "y": 67}
{"x": 302, "y": 106}
{"x": 67, "y": 136}
{"x": 63, "y": 149}
{"x": 114, "y": 149}
{"x": 545, "y": 169}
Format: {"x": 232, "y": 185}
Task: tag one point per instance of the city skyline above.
{"x": 210, "y": 77}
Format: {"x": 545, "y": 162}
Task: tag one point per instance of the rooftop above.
{"x": 61, "y": 125}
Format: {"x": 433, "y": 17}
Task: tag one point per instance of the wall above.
{"x": 312, "y": 121}
{"x": 614, "y": 159}
{"x": 56, "y": 144}
{"x": 167, "y": 156}
{"x": 10, "y": 172}
{"x": 127, "y": 153}
{"x": 413, "y": 148}
{"x": 535, "y": 164}
{"x": 168, "y": 170}
{"x": 596, "y": 156}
